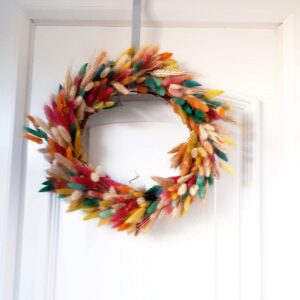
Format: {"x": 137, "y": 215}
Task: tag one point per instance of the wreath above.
{"x": 92, "y": 89}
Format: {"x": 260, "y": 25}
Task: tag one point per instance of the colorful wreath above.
{"x": 85, "y": 187}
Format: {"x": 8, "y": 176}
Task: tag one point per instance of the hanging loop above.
{"x": 136, "y": 24}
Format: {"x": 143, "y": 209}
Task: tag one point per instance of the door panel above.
{"x": 174, "y": 251}
{"x": 197, "y": 256}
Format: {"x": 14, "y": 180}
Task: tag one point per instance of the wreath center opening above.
{"x": 131, "y": 141}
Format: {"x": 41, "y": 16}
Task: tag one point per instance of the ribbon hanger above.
{"x": 136, "y": 24}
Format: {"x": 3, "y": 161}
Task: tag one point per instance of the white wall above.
{"x": 14, "y": 28}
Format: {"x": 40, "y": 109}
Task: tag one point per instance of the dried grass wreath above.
{"x": 87, "y": 188}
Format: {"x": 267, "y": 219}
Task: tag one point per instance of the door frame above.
{"x": 11, "y": 211}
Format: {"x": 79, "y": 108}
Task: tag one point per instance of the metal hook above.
{"x": 134, "y": 178}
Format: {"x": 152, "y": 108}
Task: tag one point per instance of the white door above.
{"x": 214, "y": 251}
